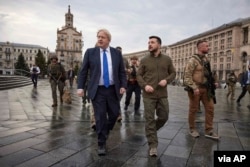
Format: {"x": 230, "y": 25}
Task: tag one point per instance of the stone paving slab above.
{"x": 34, "y": 134}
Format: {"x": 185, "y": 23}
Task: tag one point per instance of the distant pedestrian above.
{"x": 34, "y": 70}
{"x": 133, "y": 86}
{"x": 245, "y": 84}
{"x": 231, "y": 84}
{"x": 107, "y": 81}
{"x": 71, "y": 76}
{"x": 155, "y": 71}
{"x": 57, "y": 76}
{"x": 200, "y": 85}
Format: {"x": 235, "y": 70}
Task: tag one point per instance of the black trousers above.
{"x": 106, "y": 107}
{"x": 130, "y": 89}
{"x": 34, "y": 79}
{"x": 244, "y": 91}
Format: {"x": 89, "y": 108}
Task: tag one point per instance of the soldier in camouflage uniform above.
{"x": 196, "y": 80}
{"x": 56, "y": 73}
{"x": 231, "y": 83}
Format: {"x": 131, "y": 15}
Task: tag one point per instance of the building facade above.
{"x": 9, "y": 53}
{"x": 69, "y": 43}
{"x": 229, "y": 48}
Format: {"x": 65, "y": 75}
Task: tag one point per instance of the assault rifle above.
{"x": 210, "y": 82}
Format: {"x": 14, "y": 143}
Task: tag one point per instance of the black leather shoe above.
{"x": 137, "y": 112}
{"x": 101, "y": 150}
{"x": 238, "y": 103}
{"x": 93, "y": 127}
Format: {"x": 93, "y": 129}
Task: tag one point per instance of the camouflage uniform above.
{"x": 231, "y": 83}
{"x": 194, "y": 78}
{"x": 133, "y": 86}
{"x": 57, "y": 78}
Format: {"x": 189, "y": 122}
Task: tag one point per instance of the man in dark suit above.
{"x": 107, "y": 81}
{"x": 245, "y": 84}
{"x": 71, "y": 76}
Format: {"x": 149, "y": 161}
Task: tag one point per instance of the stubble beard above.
{"x": 153, "y": 51}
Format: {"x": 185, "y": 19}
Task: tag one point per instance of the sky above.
{"x": 130, "y": 22}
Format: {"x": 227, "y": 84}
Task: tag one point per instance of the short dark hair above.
{"x": 134, "y": 58}
{"x": 119, "y": 48}
{"x": 157, "y": 38}
{"x": 200, "y": 41}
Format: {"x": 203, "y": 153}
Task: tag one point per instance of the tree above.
{"x": 21, "y": 65}
{"x": 41, "y": 63}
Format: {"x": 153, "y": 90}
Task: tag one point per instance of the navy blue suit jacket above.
{"x": 244, "y": 79}
{"x": 92, "y": 65}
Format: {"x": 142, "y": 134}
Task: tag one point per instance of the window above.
{"x": 215, "y": 57}
{"x": 245, "y": 35}
{"x": 229, "y": 53}
{"x": 229, "y": 42}
{"x": 229, "y": 33}
{"x": 228, "y": 66}
{"x": 222, "y": 41}
{"x": 7, "y": 50}
{"x": 0, "y": 49}
{"x": 215, "y": 43}
{"x": 221, "y": 59}
{"x": 228, "y": 59}
{"x": 221, "y": 66}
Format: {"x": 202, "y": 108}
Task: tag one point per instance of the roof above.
{"x": 237, "y": 22}
{"x": 22, "y": 45}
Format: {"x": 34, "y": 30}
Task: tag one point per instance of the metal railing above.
{"x": 11, "y": 71}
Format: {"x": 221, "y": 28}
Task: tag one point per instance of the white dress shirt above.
{"x": 110, "y": 68}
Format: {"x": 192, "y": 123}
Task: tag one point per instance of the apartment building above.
{"x": 229, "y": 46}
{"x": 9, "y": 53}
{"x": 69, "y": 43}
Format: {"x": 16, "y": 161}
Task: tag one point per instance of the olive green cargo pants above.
{"x": 152, "y": 107}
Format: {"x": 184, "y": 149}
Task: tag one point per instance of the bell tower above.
{"x": 69, "y": 19}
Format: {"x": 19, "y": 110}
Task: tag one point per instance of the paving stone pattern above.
{"x": 32, "y": 133}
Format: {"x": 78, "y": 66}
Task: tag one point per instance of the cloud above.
{"x": 130, "y": 22}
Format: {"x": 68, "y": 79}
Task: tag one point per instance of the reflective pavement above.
{"x": 32, "y": 133}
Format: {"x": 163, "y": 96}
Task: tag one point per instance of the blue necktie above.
{"x": 105, "y": 70}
